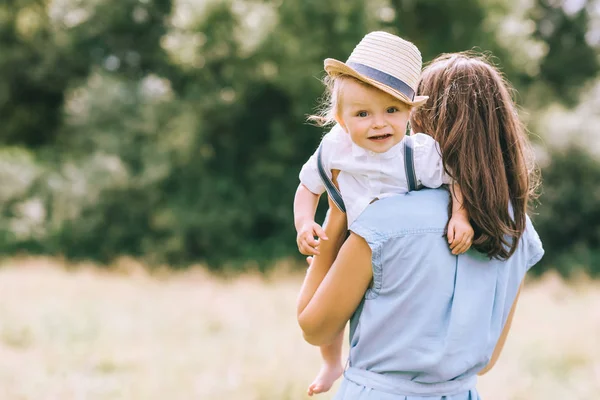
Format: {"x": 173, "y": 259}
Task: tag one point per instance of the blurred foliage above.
{"x": 569, "y": 62}
{"x": 174, "y": 131}
{"x": 569, "y": 214}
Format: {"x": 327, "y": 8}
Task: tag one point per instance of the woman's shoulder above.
{"x": 413, "y": 212}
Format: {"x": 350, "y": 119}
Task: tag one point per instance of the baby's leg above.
{"x": 332, "y": 367}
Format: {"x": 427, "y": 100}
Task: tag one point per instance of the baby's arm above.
{"x": 308, "y": 193}
{"x": 432, "y": 173}
{"x": 460, "y": 231}
{"x": 305, "y": 206}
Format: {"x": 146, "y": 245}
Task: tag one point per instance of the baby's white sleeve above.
{"x": 429, "y": 167}
{"x": 309, "y": 174}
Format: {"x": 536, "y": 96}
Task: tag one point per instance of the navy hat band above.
{"x": 384, "y": 78}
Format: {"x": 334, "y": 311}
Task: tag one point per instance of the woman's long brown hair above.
{"x": 484, "y": 145}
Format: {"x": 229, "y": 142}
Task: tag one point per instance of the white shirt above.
{"x": 366, "y": 175}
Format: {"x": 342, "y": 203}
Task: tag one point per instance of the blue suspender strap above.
{"x": 409, "y": 165}
{"x": 332, "y": 191}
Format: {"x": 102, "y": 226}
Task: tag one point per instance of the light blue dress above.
{"x": 431, "y": 320}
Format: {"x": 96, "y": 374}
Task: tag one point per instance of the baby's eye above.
{"x": 392, "y": 110}
{"x": 362, "y": 114}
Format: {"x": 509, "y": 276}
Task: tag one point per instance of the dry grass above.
{"x": 88, "y": 334}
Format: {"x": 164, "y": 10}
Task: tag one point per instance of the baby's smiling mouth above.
{"x": 380, "y": 137}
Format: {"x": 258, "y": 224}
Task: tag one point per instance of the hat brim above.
{"x": 335, "y": 67}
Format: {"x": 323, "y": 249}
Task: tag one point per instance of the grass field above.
{"x": 83, "y": 333}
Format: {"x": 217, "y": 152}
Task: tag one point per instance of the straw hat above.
{"x": 385, "y": 61}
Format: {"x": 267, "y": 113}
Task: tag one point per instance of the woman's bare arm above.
{"x": 335, "y": 229}
{"x": 329, "y": 297}
{"x": 335, "y": 282}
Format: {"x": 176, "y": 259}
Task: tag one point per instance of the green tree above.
{"x": 569, "y": 213}
{"x": 130, "y": 127}
{"x": 570, "y": 61}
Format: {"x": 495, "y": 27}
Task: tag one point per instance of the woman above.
{"x": 424, "y": 322}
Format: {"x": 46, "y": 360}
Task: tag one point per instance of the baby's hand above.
{"x": 460, "y": 233}
{"x": 307, "y": 244}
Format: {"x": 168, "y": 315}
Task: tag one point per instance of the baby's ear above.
{"x": 340, "y": 121}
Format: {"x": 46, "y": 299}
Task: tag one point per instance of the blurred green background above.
{"x": 173, "y": 131}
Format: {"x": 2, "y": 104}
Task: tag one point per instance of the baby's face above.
{"x": 374, "y": 119}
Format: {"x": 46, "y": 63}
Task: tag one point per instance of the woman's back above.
{"x": 431, "y": 320}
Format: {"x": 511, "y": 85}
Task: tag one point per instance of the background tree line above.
{"x": 174, "y": 131}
